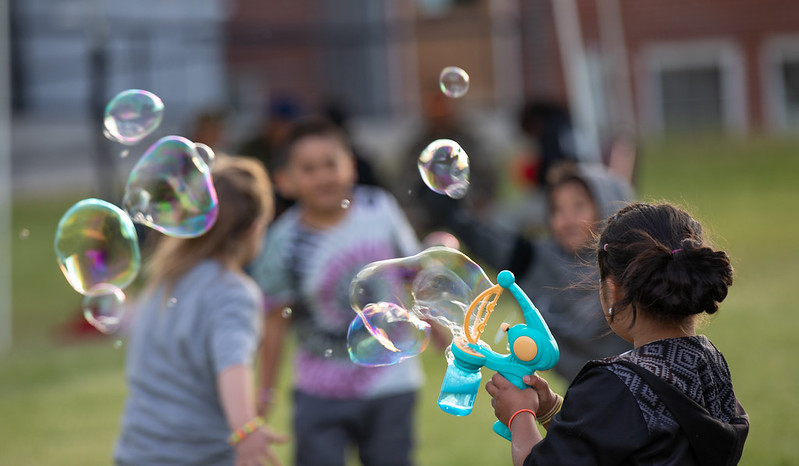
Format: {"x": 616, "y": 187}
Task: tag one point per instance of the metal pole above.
{"x": 575, "y": 71}
{"x": 6, "y": 334}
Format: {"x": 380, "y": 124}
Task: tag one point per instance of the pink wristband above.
{"x": 510, "y": 421}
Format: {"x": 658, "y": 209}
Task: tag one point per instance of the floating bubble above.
{"x": 345, "y": 204}
{"x": 124, "y": 154}
{"x": 206, "y": 153}
{"x": 328, "y": 352}
{"x": 286, "y": 312}
{"x": 437, "y": 284}
{"x": 173, "y": 301}
{"x": 444, "y": 167}
{"x": 104, "y": 306}
{"x": 132, "y": 115}
{"x": 96, "y": 243}
{"x": 454, "y": 82}
{"x": 385, "y": 334}
{"x": 118, "y": 344}
{"x": 24, "y": 233}
{"x": 170, "y": 190}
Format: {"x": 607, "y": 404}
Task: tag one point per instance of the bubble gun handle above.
{"x": 532, "y": 346}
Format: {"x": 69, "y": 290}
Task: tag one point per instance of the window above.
{"x": 780, "y": 72}
{"x": 692, "y": 86}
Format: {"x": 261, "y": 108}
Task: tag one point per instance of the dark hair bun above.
{"x": 681, "y": 283}
{"x": 658, "y": 256}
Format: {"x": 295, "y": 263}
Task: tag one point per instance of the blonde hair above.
{"x": 245, "y": 196}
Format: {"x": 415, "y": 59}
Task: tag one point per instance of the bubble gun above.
{"x": 532, "y": 348}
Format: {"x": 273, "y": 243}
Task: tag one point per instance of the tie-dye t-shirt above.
{"x": 310, "y": 270}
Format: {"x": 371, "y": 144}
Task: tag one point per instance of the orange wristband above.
{"x": 510, "y": 421}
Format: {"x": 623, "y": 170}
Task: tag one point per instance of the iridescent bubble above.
{"x": 437, "y": 284}
{"x": 385, "y": 334}
{"x": 104, "y": 306}
{"x": 454, "y": 82}
{"x": 444, "y": 167}
{"x": 170, "y": 190}
{"x": 345, "y": 204}
{"x": 96, "y": 243}
{"x": 132, "y": 115}
{"x": 206, "y": 153}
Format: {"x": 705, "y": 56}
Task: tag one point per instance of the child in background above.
{"x": 189, "y": 367}
{"x": 555, "y": 270}
{"x": 311, "y": 254}
{"x": 668, "y": 401}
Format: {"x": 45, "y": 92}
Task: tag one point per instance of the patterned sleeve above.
{"x": 404, "y": 236}
{"x": 270, "y": 269}
{"x": 600, "y": 423}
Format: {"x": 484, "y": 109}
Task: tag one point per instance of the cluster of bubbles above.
{"x": 443, "y": 164}
{"x": 169, "y": 190}
{"x": 395, "y": 301}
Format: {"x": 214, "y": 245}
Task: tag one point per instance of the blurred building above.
{"x": 621, "y": 65}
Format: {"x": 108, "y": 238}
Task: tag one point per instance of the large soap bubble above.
{"x": 437, "y": 284}
{"x": 96, "y": 243}
{"x": 444, "y": 167}
{"x": 132, "y": 115}
{"x": 170, "y": 190}
{"x": 385, "y": 333}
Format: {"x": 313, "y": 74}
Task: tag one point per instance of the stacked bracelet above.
{"x": 544, "y": 419}
{"x": 249, "y": 427}
{"x": 510, "y": 421}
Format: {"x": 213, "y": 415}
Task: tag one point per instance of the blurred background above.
{"x": 694, "y": 101}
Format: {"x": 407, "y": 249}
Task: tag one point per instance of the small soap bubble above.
{"x": 170, "y": 190}
{"x": 345, "y": 204}
{"x": 96, "y": 243}
{"x": 286, "y": 312}
{"x": 206, "y": 153}
{"x": 454, "y": 82}
{"x": 132, "y": 115}
{"x": 24, "y": 233}
{"x": 118, "y": 344}
{"x": 104, "y": 306}
{"x": 124, "y": 154}
{"x": 444, "y": 167}
{"x": 173, "y": 301}
{"x": 328, "y": 353}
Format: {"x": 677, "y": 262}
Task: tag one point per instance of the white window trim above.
{"x": 655, "y": 58}
{"x": 775, "y": 51}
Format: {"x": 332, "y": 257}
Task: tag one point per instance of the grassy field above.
{"x": 61, "y": 401}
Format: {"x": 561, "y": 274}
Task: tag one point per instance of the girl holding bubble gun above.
{"x": 670, "y": 400}
{"x": 548, "y": 269}
{"x": 193, "y": 341}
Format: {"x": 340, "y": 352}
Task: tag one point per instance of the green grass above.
{"x": 61, "y": 402}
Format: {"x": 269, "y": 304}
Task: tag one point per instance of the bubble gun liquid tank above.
{"x": 462, "y": 380}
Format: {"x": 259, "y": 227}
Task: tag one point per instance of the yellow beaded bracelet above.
{"x": 249, "y": 427}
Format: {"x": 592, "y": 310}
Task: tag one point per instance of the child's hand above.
{"x": 252, "y": 450}
{"x": 507, "y": 399}
{"x": 546, "y": 397}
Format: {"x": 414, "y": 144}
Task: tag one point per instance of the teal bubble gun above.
{"x": 532, "y": 348}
